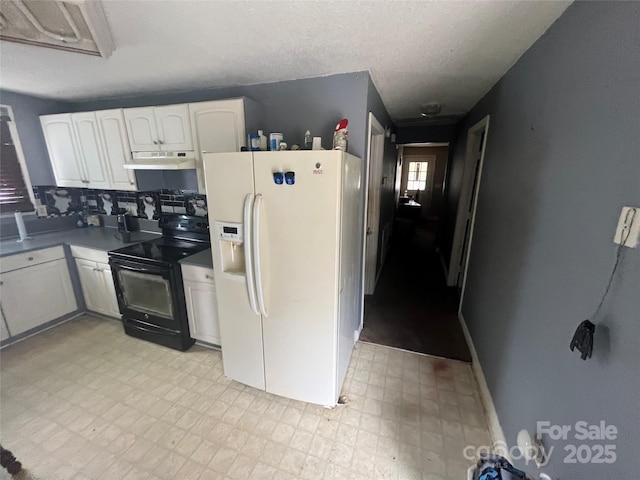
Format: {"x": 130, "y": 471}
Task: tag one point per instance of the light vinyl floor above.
{"x": 85, "y": 401}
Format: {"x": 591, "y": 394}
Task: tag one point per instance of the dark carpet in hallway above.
{"x": 412, "y": 307}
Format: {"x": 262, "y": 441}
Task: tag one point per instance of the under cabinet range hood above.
{"x": 161, "y": 161}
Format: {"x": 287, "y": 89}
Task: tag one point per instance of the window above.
{"x": 16, "y": 194}
{"x": 417, "y": 179}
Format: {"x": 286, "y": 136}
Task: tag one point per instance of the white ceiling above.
{"x": 451, "y": 52}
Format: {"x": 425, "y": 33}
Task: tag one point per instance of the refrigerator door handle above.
{"x": 248, "y": 254}
{"x": 257, "y": 205}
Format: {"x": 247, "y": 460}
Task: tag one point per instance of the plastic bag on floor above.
{"x": 495, "y": 467}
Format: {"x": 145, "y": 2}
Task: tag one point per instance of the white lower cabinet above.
{"x": 97, "y": 287}
{"x": 97, "y": 283}
{"x": 35, "y": 289}
{"x": 202, "y": 308}
{"x": 4, "y": 332}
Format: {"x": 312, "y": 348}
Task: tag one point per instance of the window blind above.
{"x": 14, "y": 195}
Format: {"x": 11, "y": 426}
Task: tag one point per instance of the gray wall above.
{"x": 26, "y": 112}
{"x": 561, "y": 161}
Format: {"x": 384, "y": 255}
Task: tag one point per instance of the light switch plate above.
{"x": 628, "y": 227}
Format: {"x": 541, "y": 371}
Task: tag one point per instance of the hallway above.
{"x": 412, "y": 307}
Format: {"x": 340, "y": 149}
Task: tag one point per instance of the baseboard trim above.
{"x": 41, "y": 328}
{"x": 495, "y": 429}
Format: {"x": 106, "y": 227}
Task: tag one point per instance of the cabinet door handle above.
{"x": 160, "y": 142}
{"x": 155, "y": 142}
{"x": 208, "y": 277}
{"x": 30, "y": 259}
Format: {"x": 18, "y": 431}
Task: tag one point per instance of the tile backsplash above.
{"x": 61, "y": 201}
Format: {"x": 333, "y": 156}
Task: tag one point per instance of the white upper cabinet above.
{"x": 174, "y": 130}
{"x": 116, "y": 149}
{"x": 163, "y": 128}
{"x": 218, "y": 126}
{"x": 90, "y": 148}
{"x": 61, "y": 143}
{"x": 141, "y": 126}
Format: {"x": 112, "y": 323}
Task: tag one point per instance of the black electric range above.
{"x": 148, "y": 281}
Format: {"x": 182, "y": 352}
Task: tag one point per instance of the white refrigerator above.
{"x": 286, "y": 231}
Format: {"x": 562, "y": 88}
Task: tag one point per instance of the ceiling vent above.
{"x": 74, "y": 25}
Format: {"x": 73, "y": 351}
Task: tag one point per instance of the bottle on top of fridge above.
{"x": 274, "y": 141}
{"x": 308, "y": 140}
{"x": 263, "y": 140}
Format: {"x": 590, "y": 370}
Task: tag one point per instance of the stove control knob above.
{"x": 146, "y": 316}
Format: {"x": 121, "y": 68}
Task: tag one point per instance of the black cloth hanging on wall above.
{"x": 583, "y": 339}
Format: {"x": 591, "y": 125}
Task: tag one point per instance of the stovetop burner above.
{"x": 165, "y": 250}
{"x": 182, "y": 236}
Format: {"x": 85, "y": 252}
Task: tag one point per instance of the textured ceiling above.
{"x": 451, "y": 52}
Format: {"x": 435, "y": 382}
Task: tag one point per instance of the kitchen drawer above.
{"x": 197, "y": 274}
{"x": 23, "y": 260}
{"x": 90, "y": 254}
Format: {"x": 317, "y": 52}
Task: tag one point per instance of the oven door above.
{"x": 145, "y": 293}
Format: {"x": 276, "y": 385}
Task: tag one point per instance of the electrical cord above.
{"x": 583, "y": 337}
{"x": 623, "y": 240}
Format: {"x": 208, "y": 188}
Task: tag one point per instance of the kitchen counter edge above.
{"x": 102, "y": 238}
{"x": 200, "y": 259}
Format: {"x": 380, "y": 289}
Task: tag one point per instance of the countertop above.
{"x": 200, "y": 259}
{"x": 99, "y": 238}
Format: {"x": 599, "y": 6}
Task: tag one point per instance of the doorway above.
{"x": 375, "y": 158}
{"x": 466, "y": 214}
{"x": 412, "y": 307}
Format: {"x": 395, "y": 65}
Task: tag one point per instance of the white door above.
{"x": 117, "y": 152}
{"x": 92, "y": 288}
{"x": 218, "y": 126}
{"x": 90, "y": 148}
{"x": 174, "y": 129}
{"x": 35, "y": 295}
{"x": 63, "y": 153}
{"x": 229, "y": 179}
{"x": 109, "y": 297}
{"x": 141, "y": 127}
{"x": 374, "y": 181}
{"x": 202, "y": 311}
{"x": 300, "y": 242}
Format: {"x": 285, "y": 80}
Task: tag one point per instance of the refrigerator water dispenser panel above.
{"x": 231, "y": 242}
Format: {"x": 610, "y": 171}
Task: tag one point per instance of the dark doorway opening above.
{"x": 412, "y": 307}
